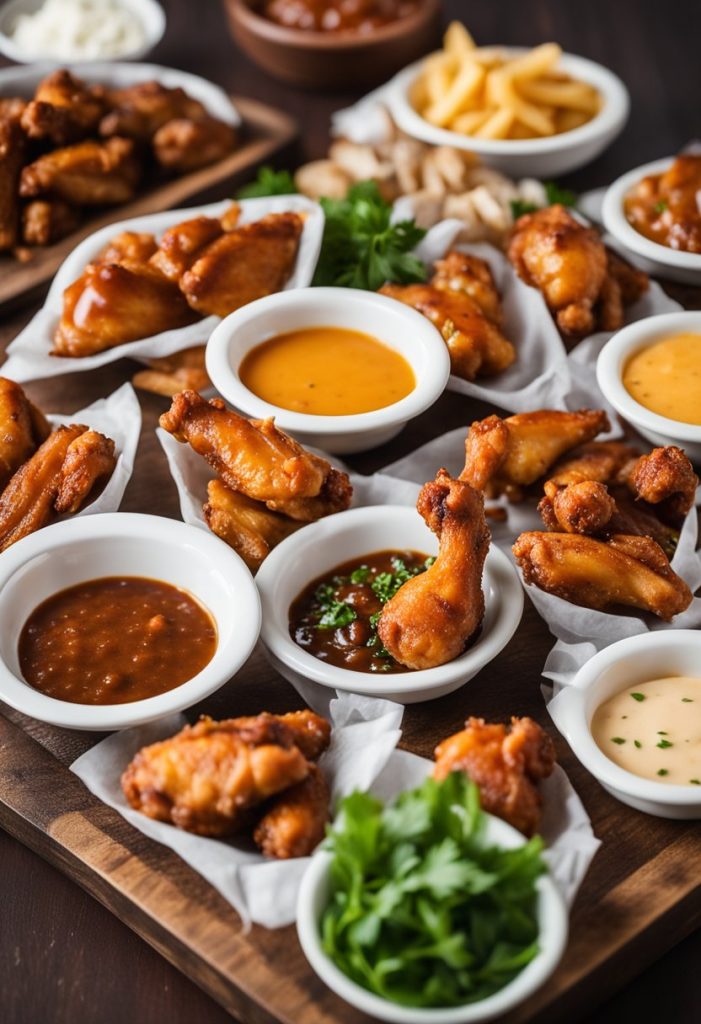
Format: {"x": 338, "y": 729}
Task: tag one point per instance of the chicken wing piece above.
{"x": 476, "y": 345}
{"x": 182, "y": 244}
{"x": 471, "y": 276}
{"x": 64, "y": 109}
{"x": 566, "y": 261}
{"x": 504, "y": 456}
{"x": 310, "y": 732}
{"x": 26, "y": 504}
{"x": 245, "y": 264}
{"x": 432, "y": 617}
{"x": 665, "y": 479}
{"x": 12, "y": 152}
{"x": 111, "y": 304}
{"x": 183, "y": 145}
{"x": 89, "y": 460}
{"x": 622, "y": 571}
{"x": 129, "y": 246}
{"x": 506, "y": 762}
{"x": 582, "y": 507}
{"x": 138, "y": 111}
{"x": 22, "y": 429}
{"x": 87, "y": 174}
{"x": 247, "y": 526}
{"x": 598, "y": 460}
{"x": 208, "y": 777}
{"x": 170, "y": 374}
{"x": 45, "y": 221}
{"x": 296, "y": 821}
{"x": 12, "y": 107}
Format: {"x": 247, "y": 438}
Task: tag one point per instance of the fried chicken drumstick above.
{"x": 506, "y": 762}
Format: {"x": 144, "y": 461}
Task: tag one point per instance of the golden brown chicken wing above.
{"x": 184, "y": 370}
{"x": 128, "y": 246}
{"x": 296, "y": 821}
{"x": 184, "y": 144}
{"x": 598, "y": 460}
{"x": 476, "y": 345}
{"x": 506, "y": 762}
{"x": 244, "y": 264}
{"x": 471, "y": 276}
{"x": 182, "y": 244}
{"x": 138, "y": 111}
{"x": 12, "y": 152}
{"x": 665, "y": 479}
{"x": 622, "y": 571}
{"x": 64, "y": 109}
{"x": 87, "y": 174}
{"x": 111, "y": 304}
{"x": 247, "y": 526}
{"x": 432, "y": 617}
{"x": 89, "y": 460}
{"x": 45, "y": 221}
{"x": 22, "y": 429}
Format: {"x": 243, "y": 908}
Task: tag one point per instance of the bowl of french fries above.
{"x": 525, "y": 112}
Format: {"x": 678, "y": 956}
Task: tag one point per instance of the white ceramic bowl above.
{"x": 396, "y": 325}
{"x": 627, "y": 663}
{"x": 149, "y": 13}
{"x": 609, "y": 372}
{"x": 125, "y": 544}
{"x": 322, "y": 546}
{"x": 546, "y": 157}
{"x": 658, "y": 260}
{"x": 314, "y": 896}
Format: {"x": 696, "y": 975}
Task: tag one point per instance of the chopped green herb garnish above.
{"x": 695, "y": 782}
{"x": 663, "y": 771}
{"x": 661, "y": 206}
{"x": 638, "y": 696}
{"x": 555, "y": 194}
{"x": 519, "y": 207}
{"x": 336, "y": 615}
{"x": 268, "y": 182}
{"x": 661, "y": 732}
{"x": 360, "y": 575}
{"x": 637, "y": 743}
{"x": 687, "y": 700}
{"x": 664, "y": 744}
{"x": 617, "y": 739}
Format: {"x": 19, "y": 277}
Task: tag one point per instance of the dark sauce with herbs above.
{"x": 335, "y": 617}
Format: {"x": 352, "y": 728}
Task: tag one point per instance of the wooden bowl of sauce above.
{"x": 319, "y": 44}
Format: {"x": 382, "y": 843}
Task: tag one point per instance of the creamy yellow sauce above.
{"x": 666, "y": 378}
{"x": 653, "y": 730}
{"x": 327, "y": 371}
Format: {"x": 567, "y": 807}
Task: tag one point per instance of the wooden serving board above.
{"x": 641, "y": 895}
{"x": 264, "y": 131}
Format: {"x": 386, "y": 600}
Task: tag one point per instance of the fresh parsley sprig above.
{"x": 268, "y": 182}
{"x": 553, "y": 194}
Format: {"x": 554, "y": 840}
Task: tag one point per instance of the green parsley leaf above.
{"x": 268, "y": 182}
{"x": 637, "y": 743}
{"x": 695, "y": 782}
{"x": 638, "y": 696}
{"x": 663, "y": 771}
{"x": 687, "y": 700}
{"x": 661, "y": 206}
{"x": 519, "y": 207}
{"x": 617, "y": 739}
{"x": 555, "y": 194}
{"x": 336, "y": 615}
{"x": 360, "y": 575}
{"x": 664, "y": 744}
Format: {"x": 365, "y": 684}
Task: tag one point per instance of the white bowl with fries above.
{"x": 535, "y": 112}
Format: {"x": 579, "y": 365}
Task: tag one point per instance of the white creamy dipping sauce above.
{"x": 653, "y": 730}
{"x": 79, "y": 30}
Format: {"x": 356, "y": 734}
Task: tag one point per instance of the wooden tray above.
{"x": 264, "y": 131}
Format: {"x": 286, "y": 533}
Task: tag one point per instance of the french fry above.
{"x": 571, "y": 95}
{"x": 464, "y": 86}
{"x": 497, "y": 126}
{"x": 458, "y": 40}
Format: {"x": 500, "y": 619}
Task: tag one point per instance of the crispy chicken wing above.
{"x": 87, "y": 174}
{"x": 111, "y": 304}
{"x": 476, "y": 345}
{"x": 244, "y": 264}
{"x": 64, "y": 109}
{"x": 12, "y": 151}
{"x": 247, "y": 526}
{"x": 471, "y": 276}
{"x": 129, "y": 246}
{"x": 89, "y": 460}
{"x": 598, "y": 460}
{"x": 296, "y": 821}
{"x": 624, "y": 570}
{"x": 208, "y": 777}
{"x": 177, "y": 372}
{"x": 504, "y": 456}
{"x": 183, "y": 144}
{"x": 666, "y": 479}
{"x": 138, "y": 111}
{"x": 45, "y": 221}
{"x": 432, "y": 617}
{"x": 182, "y": 244}
{"x": 22, "y": 429}
{"x": 506, "y": 762}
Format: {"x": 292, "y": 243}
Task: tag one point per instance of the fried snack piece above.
{"x": 138, "y": 111}
{"x": 310, "y": 732}
{"x": 666, "y": 479}
{"x": 622, "y": 571}
{"x": 86, "y": 174}
{"x": 247, "y": 526}
{"x": 208, "y": 777}
{"x": 181, "y": 245}
{"x": 504, "y": 456}
{"x": 45, "y": 221}
{"x": 173, "y": 373}
{"x": 506, "y": 762}
{"x": 89, "y": 459}
{"x": 64, "y": 109}
{"x": 128, "y": 246}
{"x": 27, "y": 502}
{"x": 12, "y": 107}
{"x": 471, "y": 276}
{"x": 296, "y": 821}
{"x": 598, "y": 460}
{"x": 476, "y": 345}
{"x": 566, "y": 261}
{"x": 184, "y": 144}
{"x": 244, "y": 264}
{"x": 111, "y": 304}
{"x": 432, "y": 617}
{"x": 12, "y": 151}
{"x": 22, "y": 429}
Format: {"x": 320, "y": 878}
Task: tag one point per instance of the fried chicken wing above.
{"x": 138, "y": 111}
{"x": 111, "y": 304}
{"x": 89, "y": 459}
{"x": 64, "y": 109}
{"x": 129, "y": 246}
{"x": 622, "y": 571}
{"x": 22, "y": 429}
{"x": 45, "y": 221}
{"x": 471, "y": 276}
{"x": 26, "y": 504}
{"x": 177, "y": 372}
{"x": 182, "y": 244}
{"x": 12, "y": 152}
{"x": 12, "y": 107}
{"x": 208, "y": 777}
{"x": 432, "y": 617}
{"x": 598, "y": 460}
{"x": 296, "y": 821}
{"x": 184, "y": 144}
{"x": 476, "y": 345}
{"x": 506, "y": 763}
{"x": 86, "y": 174}
{"x": 666, "y": 479}
{"x": 245, "y": 264}
{"x": 247, "y": 526}
{"x": 504, "y": 456}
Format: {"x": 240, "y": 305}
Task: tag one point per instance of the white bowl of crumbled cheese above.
{"x": 79, "y": 30}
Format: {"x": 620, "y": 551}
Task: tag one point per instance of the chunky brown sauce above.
{"x": 666, "y": 208}
{"x": 337, "y": 15}
{"x": 115, "y": 640}
{"x": 335, "y": 616}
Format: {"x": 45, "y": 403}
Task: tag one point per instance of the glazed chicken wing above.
{"x": 247, "y": 526}
{"x": 111, "y": 304}
{"x": 296, "y": 821}
{"x": 245, "y": 264}
{"x": 432, "y": 617}
{"x": 128, "y": 246}
{"x": 22, "y": 429}
{"x": 471, "y": 276}
{"x": 184, "y": 145}
{"x": 12, "y": 151}
{"x": 89, "y": 460}
{"x": 64, "y": 109}
{"x": 138, "y": 111}
{"x": 506, "y": 763}
{"x": 181, "y": 245}
{"x": 622, "y": 571}
{"x": 45, "y": 221}
{"x": 87, "y": 174}
{"x": 170, "y": 374}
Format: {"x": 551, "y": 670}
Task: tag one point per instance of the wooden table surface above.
{"x": 63, "y": 957}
